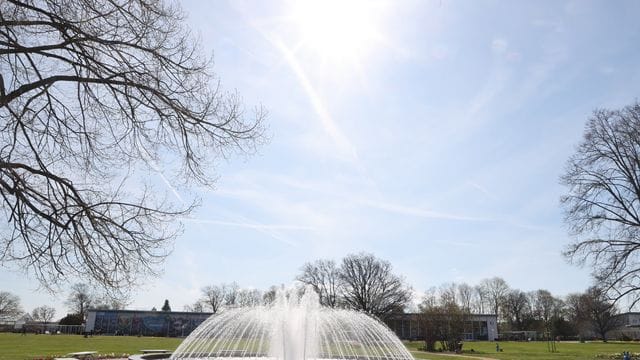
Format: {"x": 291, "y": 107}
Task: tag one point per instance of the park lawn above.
{"x": 18, "y": 347}
{"x": 537, "y": 350}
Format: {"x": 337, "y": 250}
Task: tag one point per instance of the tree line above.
{"x": 10, "y": 309}
{"x": 359, "y": 281}
{"x": 366, "y": 283}
{"x": 446, "y": 310}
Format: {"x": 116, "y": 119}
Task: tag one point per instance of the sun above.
{"x": 337, "y": 30}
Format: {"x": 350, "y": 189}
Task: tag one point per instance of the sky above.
{"x": 430, "y": 133}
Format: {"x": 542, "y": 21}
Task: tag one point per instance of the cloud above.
{"x": 343, "y": 145}
{"x": 250, "y": 225}
{"x": 325, "y": 196}
{"x": 480, "y": 188}
{"x": 419, "y": 212}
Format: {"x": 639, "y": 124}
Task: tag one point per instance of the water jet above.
{"x": 292, "y": 328}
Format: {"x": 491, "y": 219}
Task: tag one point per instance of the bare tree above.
{"x": 496, "y": 289}
{"x": 515, "y": 306}
{"x": 9, "y": 306}
{"x": 598, "y": 311}
{"x": 249, "y": 297}
{"x": 448, "y": 293}
{"x": 269, "y": 296}
{"x": 94, "y": 96}
{"x": 80, "y": 299}
{"x": 197, "y": 306}
{"x": 547, "y": 308}
{"x": 442, "y": 319}
{"x": 231, "y": 294}
{"x": 369, "y": 285}
{"x": 575, "y": 314}
{"x": 479, "y": 299}
{"x": 324, "y": 277}
{"x": 43, "y": 313}
{"x": 465, "y": 296}
{"x": 105, "y": 302}
{"x": 213, "y": 297}
{"x": 602, "y": 204}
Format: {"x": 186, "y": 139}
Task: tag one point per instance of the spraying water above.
{"x": 292, "y": 328}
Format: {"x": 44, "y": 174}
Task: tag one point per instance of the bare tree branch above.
{"x": 369, "y": 285}
{"x": 602, "y": 204}
{"x": 94, "y": 97}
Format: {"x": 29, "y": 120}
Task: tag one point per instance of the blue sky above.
{"x": 430, "y": 133}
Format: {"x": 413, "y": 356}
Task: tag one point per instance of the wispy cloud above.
{"x": 419, "y": 212}
{"x": 326, "y": 196}
{"x": 327, "y": 121}
{"x": 250, "y": 225}
{"x": 480, "y": 188}
{"x": 152, "y": 163}
{"x": 240, "y": 221}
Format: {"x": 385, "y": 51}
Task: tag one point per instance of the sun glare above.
{"x": 336, "y": 30}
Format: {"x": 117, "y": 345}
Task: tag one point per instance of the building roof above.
{"x": 152, "y": 312}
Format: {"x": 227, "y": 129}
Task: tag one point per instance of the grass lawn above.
{"x": 538, "y": 350}
{"x": 18, "y": 347}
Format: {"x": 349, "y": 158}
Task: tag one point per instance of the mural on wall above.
{"x": 147, "y": 323}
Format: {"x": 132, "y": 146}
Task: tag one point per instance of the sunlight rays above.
{"x": 336, "y": 31}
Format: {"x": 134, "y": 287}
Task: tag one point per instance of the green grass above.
{"x": 18, "y": 347}
{"x": 537, "y": 350}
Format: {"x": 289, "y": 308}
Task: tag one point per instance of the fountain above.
{"x": 293, "y": 328}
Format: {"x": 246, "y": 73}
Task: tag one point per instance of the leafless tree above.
{"x": 105, "y": 302}
{"x": 324, "y": 277}
{"x": 269, "y": 296}
{"x": 197, "y": 306}
{"x": 546, "y": 308}
{"x": 515, "y": 306}
{"x": 43, "y": 313}
{"x": 495, "y": 289}
{"x": 448, "y": 293}
{"x": 597, "y": 311}
{"x": 369, "y": 285}
{"x": 230, "y": 294}
{"x": 465, "y": 296}
{"x": 249, "y": 297}
{"x": 81, "y": 298}
{"x": 442, "y": 319}
{"x": 602, "y": 204}
{"x": 94, "y": 96}
{"x": 9, "y": 306}
{"x": 575, "y": 314}
{"x": 479, "y": 299}
{"x": 213, "y": 297}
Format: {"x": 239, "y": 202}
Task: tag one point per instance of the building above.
{"x": 627, "y": 327}
{"x": 145, "y": 323}
{"x": 477, "y": 327}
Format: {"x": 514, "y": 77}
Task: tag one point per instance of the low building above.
{"x": 477, "y": 326}
{"x": 144, "y": 323}
{"x": 627, "y": 327}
